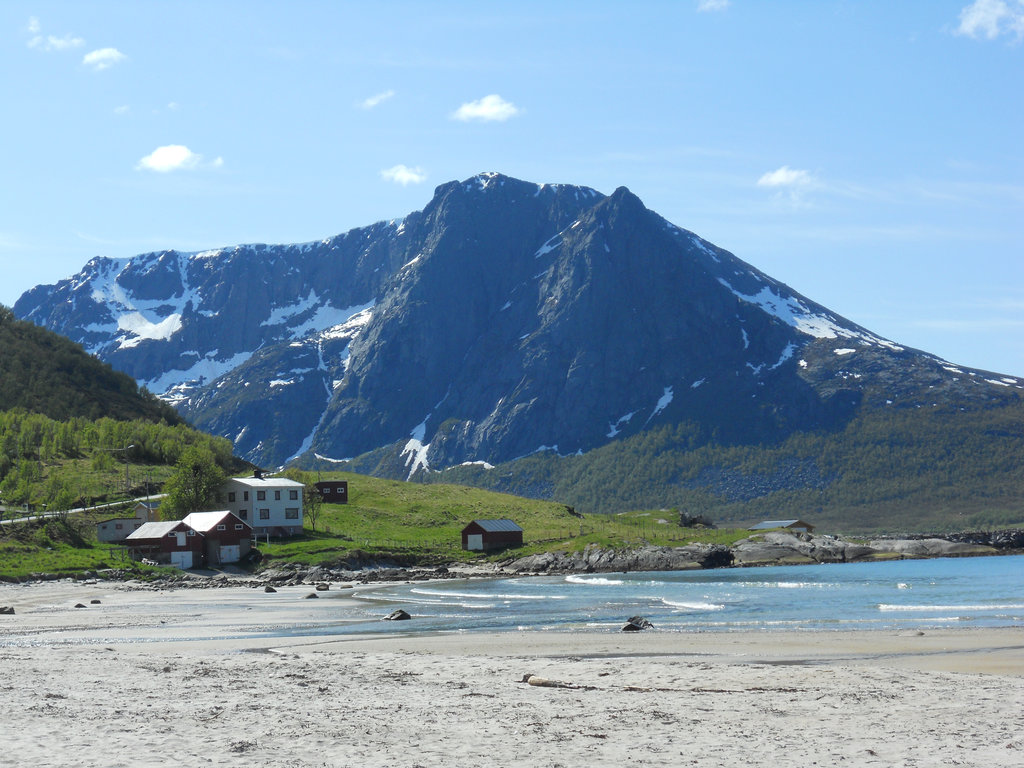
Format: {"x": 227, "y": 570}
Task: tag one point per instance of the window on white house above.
{"x": 277, "y": 495}
{"x": 291, "y": 513}
{"x": 264, "y": 514}
{"x": 231, "y": 496}
{"x": 117, "y": 526}
{"x": 261, "y": 495}
{"x": 293, "y": 495}
{"x": 244, "y": 514}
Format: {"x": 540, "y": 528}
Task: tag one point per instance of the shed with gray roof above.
{"x": 482, "y": 535}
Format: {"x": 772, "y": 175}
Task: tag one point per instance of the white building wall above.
{"x": 279, "y": 507}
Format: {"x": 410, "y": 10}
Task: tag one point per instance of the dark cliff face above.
{"x": 504, "y": 318}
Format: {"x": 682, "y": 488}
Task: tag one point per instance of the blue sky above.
{"x": 868, "y": 154}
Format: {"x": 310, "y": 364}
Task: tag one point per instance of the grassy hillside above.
{"x": 910, "y": 470}
{"x": 43, "y": 372}
{"x": 424, "y": 522}
{"x": 74, "y": 432}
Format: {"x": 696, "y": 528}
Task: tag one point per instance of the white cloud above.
{"x": 103, "y": 58}
{"x": 50, "y": 42}
{"x": 991, "y": 18}
{"x": 173, "y": 157}
{"x": 376, "y": 100}
{"x": 712, "y": 5}
{"x": 124, "y": 109}
{"x": 404, "y": 175}
{"x": 489, "y": 108}
{"x": 786, "y": 177}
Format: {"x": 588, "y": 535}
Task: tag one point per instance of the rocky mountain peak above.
{"x": 503, "y": 319}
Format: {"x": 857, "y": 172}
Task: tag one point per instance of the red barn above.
{"x": 226, "y": 538}
{"x": 491, "y": 534}
{"x": 172, "y": 542}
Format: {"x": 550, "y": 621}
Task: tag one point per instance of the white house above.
{"x": 118, "y": 528}
{"x": 271, "y": 505}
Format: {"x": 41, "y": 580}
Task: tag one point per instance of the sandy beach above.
{"x": 205, "y": 677}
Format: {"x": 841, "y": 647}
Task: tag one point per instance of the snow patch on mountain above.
{"x": 176, "y": 385}
{"x": 415, "y": 450}
{"x": 138, "y": 328}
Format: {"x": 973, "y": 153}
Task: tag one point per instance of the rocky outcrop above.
{"x": 931, "y": 548}
{"x": 594, "y": 559}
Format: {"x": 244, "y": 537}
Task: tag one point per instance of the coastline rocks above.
{"x": 931, "y": 548}
{"x": 6, "y": 610}
{"x": 398, "y": 615}
{"x": 594, "y": 559}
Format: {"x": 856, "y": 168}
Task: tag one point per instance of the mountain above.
{"x": 505, "y": 320}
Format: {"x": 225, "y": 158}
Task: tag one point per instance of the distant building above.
{"x": 118, "y": 528}
{"x": 271, "y": 505}
{"x": 226, "y": 538}
{"x": 792, "y": 525}
{"x": 482, "y": 535}
{"x": 333, "y": 491}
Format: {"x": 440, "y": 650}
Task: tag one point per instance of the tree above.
{"x": 194, "y": 485}
{"x": 312, "y": 501}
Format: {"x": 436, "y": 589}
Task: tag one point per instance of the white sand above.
{"x": 148, "y": 678}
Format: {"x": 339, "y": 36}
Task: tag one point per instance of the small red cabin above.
{"x": 482, "y": 535}
{"x": 333, "y": 491}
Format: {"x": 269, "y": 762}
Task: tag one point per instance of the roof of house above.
{"x": 769, "y": 524}
{"x": 207, "y": 521}
{"x": 149, "y": 504}
{"x": 265, "y": 482}
{"x": 154, "y": 530}
{"x": 493, "y": 526}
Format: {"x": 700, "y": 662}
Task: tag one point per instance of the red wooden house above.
{"x": 172, "y": 542}
{"x": 226, "y": 538}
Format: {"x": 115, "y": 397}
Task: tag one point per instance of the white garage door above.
{"x": 475, "y": 541}
{"x": 230, "y": 553}
{"x": 181, "y": 559}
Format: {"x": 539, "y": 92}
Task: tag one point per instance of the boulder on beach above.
{"x": 398, "y": 615}
{"x": 636, "y": 624}
{"x": 7, "y": 610}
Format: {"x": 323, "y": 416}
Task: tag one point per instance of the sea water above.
{"x": 904, "y": 594}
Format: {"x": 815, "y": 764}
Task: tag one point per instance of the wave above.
{"x": 600, "y": 581}
{"x": 483, "y": 596}
{"x": 1007, "y": 607}
{"x": 693, "y": 606}
{"x": 787, "y": 584}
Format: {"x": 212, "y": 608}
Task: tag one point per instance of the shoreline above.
{"x": 235, "y": 619}
{"x": 147, "y": 678}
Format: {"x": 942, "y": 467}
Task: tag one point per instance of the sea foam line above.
{"x": 1008, "y": 607}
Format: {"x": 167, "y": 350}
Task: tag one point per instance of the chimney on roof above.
{"x": 257, "y": 473}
